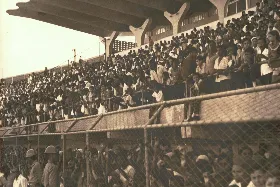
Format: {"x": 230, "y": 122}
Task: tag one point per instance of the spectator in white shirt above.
{"x": 158, "y": 95}
{"x": 262, "y": 56}
{"x": 20, "y": 181}
{"x": 222, "y": 76}
{"x": 101, "y": 109}
{"x": 4, "y": 171}
{"x": 160, "y": 70}
{"x": 258, "y": 171}
{"x": 240, "y": 172}
{"x": 154, "y": 73}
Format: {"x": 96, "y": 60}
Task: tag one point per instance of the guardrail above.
{"x": 91, "y": 123}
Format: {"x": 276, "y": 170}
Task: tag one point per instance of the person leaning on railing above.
{"x": 274, "y": 54}
{"x": 222, "y": 64}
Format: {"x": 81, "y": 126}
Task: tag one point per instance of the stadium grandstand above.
{"x": 194, "y": 103}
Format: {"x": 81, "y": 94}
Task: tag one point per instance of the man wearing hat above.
{"x": 35, "y": 174}
{"x": 50, "y": 175}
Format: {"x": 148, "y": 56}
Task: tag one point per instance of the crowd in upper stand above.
{"x": 240, "y": 53}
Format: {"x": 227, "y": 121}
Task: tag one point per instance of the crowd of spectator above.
{"x": 113, "y": 165}
{"x": 241, "y": 53}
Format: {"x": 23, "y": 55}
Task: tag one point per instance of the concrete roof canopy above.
{"x": 101, "y": 18}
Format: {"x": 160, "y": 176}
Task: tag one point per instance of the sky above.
{"x": 27, "y": 45}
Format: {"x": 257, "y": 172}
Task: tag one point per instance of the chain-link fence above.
{"x": 234, "y": 142}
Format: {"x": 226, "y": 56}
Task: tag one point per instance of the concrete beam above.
{"x": 176, "y": 19}
{"x": 155, "y": 4}
{"x": 221, "y": 6}
{"x": 121, "y": 6}
{"x": 94, "y": 10}
{"x": 109, "y": 43}
{"x": 75, "y": 16}
{"x": 140, "y": 32}
{"x": 59, "y": 22}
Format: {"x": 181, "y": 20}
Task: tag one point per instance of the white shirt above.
{"x": 20, "y": 182}
{"x": 251, "y": 184}
{"x": 158, "y": 96}
{"x": 130, "y": 171}
{"x": 224, "y": 64}
{"x": 59, "y": 98}
{"x": 101, "y": 109}
{"x": 125, "y": 87}
{"x": 3, "y": 181}
{"x": 265, "y": 69}
{"x": 235, "y": 183}
{"x": 160, "y": 70}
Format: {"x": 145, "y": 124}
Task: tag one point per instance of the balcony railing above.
{"x": 244, "y": 105}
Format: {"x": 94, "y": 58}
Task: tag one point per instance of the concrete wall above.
{"x": 211, "y": 22}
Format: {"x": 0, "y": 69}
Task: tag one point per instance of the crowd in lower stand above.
{"x": 171, "y": 165}
{"x": 241, "y": 53}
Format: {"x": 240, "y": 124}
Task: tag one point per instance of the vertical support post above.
{"x": 221, "y": 6}
{"x": 109, "y": 43}
{"x": 106, "y": 159}
{"x": 87, "y": 160}
{"x": 109, "y": 105}
{"x": 146, "y": 139}
{"x": 16, "y": 139}
{"x": 247, "y": 4}
{"x": 177, "y": 18}
{"x": 63, "y": 138}
{"x": 142, "y": 97}
{"x": 38, "y": 146}
{"x": 140, "y": 32}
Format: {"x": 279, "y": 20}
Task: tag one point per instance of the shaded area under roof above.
{"x": 102, "y": 17}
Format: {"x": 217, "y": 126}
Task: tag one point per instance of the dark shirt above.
{"x": 188, "y": 67}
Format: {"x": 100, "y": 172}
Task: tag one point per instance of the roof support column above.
{"x": 140, "y": 32}
{"x": 177, "y": 18}
{"x": 221, "y": 6}
{"x": 109, "y": 43}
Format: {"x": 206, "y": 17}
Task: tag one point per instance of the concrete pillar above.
{"x": 247, "y": 4}
{"x": 221, "y": 6}
{"x": 140, "y": 32}
{"x": 109, "y": 43}
{"x": 177, "y": 18}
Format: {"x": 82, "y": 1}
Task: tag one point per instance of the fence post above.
{"x": 63, "y": 137}
{"x": 16, "y": 139}
{"x": 87, "y": 160}
{"x": 109, "y": 103}
{"x": 146, "y": 139}
{"x": 142, "y": 99}
{"x": 38, "y": 146}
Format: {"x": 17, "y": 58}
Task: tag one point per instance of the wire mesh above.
{"x": 167, "y": 149}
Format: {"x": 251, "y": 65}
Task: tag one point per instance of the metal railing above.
{"x": 161, "y": 104}
{"x": 148, "y": 126}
